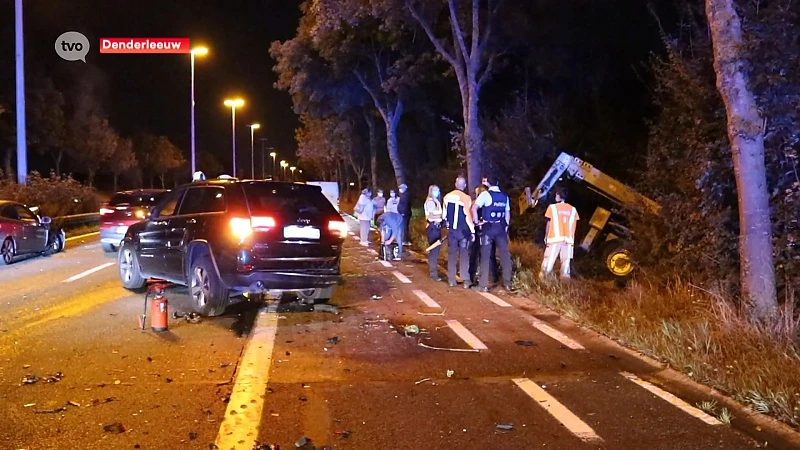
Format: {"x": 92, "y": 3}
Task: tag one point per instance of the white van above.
{"x": 330, "y": 189}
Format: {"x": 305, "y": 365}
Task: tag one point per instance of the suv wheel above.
{"x": 318, "y": 295}
{"x": 129, "y": 271}
{"x": 209, "y": 297}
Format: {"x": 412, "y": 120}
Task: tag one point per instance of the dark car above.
{"x": 226, "y": 237}
{"x": 23, "y": 232}
{"x": 123, "y": 210}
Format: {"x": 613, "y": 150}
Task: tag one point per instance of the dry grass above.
{"x": 698, "y": 332}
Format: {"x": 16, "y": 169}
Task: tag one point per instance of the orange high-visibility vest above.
{"x": 563, "y": 218}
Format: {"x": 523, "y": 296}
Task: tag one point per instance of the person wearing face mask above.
{"x": 380, "y": 204}
{"x": 392, "y": 202}
{"x": 433, "y": 217}
{"x": 365, "y": 214}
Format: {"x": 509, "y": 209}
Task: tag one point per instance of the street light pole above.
{"x": 195, "y": 51}
{"x": 293, "y": 168}
{"x": 253, "y": 128}
{"x": 274, "y": 164}
{"x": 22, "y": 140}
{"x": 233, "y": 104}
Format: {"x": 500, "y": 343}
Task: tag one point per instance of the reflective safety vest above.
{"x": 563, "y": 218}
{"x": 496, "y": 212}
{"x": 433, "y": 210}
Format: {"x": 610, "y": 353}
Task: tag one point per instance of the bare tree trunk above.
{"x": 392, "y": 123}
{"x": 161, "y": 177}
{"x": 373, "y": 152}
{"x": 746, "y": 135}
{"x": 90, "y": 175}
{"x": 59, "y": 155}
{"x": 473, "y": 138}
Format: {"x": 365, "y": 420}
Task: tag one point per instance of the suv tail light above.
{"x": 338, "y": 227}
{"x": 243, "y": 227}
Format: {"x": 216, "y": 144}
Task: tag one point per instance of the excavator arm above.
{"x": 578, "y": 170}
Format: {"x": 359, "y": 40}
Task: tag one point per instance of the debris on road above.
{"x": 115, "y": 428}
{"x": 469, "y": 350}
{"x": 333, "y": 340}
{"x": 377, "y": 297}
{"x": 30, "y": 379}
{"x": 505, "y": 426}
{"x": 343, "y": 433}
{"x": 450, "y": 373}
{"x": 55, "y": 378}
{"x": 303, "y": 441}
{"x": 326, "y": 308}
{"x": 260, "y": 446}
{"x": 423, "y": 380}
{"x": 433, "y": 314}
{"x": 525, "y": 343}
{"x": 191, "y": 317}
{"x": 410, "y": 330}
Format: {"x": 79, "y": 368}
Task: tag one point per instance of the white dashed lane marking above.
{"x": 239, "y": 428}
{"x": 385, "y": 263}
{"x": 466, "y": 335}
{"x": 88, "y": 272}
{"x": 555, "y": 334}
{"x": 574, "y": 424}
{"x": 496, "y": 300}
{"x": 426, "y": 299}
{"x": 673, "y": 400}
{"x": 401, "y": 277}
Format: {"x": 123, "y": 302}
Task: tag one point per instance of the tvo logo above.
{"x": 72, "y": 46}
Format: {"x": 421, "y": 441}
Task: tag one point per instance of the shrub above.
{"x": 55, "y": 195}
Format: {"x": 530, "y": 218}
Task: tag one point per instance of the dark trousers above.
{"x": 475, "y": 260}
{"x": 458, "y": 249}
{"x": 434, "y": 232}
{"x": 406, "y": 226}
{"x": 495, "y": 235}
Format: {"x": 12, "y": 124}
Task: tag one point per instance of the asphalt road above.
{"x": 482, "y": 373}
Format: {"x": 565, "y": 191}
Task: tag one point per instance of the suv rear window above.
{"x": 285, "y": 199}
{"x": 140, "y": 199}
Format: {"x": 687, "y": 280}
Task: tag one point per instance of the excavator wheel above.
{"x": 618, "y": 260}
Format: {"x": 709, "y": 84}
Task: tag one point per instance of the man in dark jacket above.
{"x": 404, "y": 208}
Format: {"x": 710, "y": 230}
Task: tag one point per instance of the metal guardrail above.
{"x": 79, "y": 219}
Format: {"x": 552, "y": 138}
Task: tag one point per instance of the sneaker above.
{"x": 467, "y": 285}
{"x": 452, "y": 284}
{"x": 436, "y": 278}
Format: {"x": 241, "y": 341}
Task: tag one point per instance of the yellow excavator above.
{"x": 612, "y": 237}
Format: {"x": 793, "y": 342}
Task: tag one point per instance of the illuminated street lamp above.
{"x": 284, "y": 164}
{"x": 253, "y": 128}
{"x": 274, "y": 167}
{"x": 233, "y": 104}
{"x": 293, "y": 168}
{"x": 199, "y": 51}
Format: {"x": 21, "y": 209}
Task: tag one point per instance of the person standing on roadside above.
{"x": 494, "y": 224}
{"x": 380, "y": 204}
{"x": 433, "y": 217}
{"x": 404, "y": 208}
{"x": 365, "y": 211}
{"x": 461, "y": 231}
{"x": 475, "y": 247}
{"x": 560, "y": 235}
{"x": 392, "y": 202}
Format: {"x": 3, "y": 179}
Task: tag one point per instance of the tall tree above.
{"x": 144, "y": 146}
{"x": 746, "y": 135}
{"x": 472, "y": 57}
{"x": 122, "y": 160}
{"x": 166, "y": 157}
{"x": 47, "y": 133}
{"x": 92, "y": 142}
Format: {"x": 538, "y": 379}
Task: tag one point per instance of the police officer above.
{"x": 496, "y": 218}
{"x": 475, "y": 247}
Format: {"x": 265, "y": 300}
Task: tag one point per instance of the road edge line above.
{"x": 81, "y": 236}
{"x": 88, "y": 272}
{"x": 466, "y": 335}
{"x": 672, "y": 399}
{"x": 555, "y": 334}
{"x": 239, "y": 428}
{"x": 557, "y": 410}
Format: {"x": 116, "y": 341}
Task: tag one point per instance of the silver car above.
{"x": 23, "y": 232}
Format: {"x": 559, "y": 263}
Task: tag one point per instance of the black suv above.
{"x": 224, "y": 238}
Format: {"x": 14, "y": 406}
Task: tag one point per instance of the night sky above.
{"x": 152, "y": 92}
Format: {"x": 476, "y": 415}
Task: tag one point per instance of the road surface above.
{"x": 483, "y": 372}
